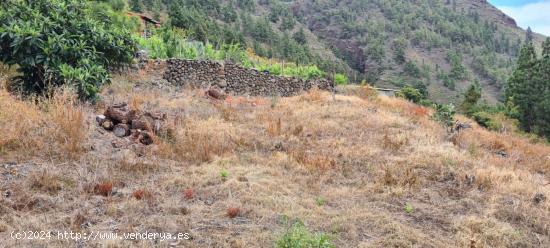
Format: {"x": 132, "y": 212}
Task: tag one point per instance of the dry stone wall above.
{"x": 237, "y": 80}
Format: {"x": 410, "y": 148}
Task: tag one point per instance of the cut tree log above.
{"x": 133, "y": 115}
{"x": 116, "y": 115}
{"x": 120, "y": 105}
{"x": 146, "y": 138}
{"x": 141, "y": 124}
{"x": 121, "y": 130}
{"x": 156, "y": 116}
{"x": 216, "y": 94}
{"x": 107, "y": 125}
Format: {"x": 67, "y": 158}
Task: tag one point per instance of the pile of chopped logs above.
{"x": 140, "y": 126}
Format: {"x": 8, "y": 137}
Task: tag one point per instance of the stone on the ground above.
{"x": 100, "y": 119}
{"x": 121, "y": 130}
{"x": 539, "y": 197}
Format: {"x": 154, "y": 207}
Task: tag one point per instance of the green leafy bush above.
{"x": 297, "y": 236}
{"x": 495, "y": 121}
{"x": 117, "y": 5}
{"x": 60, "y": 42}
{"x": 340, "y": 79}
{"x": 444, "y": 114}
{"x": 410, "y": 94}
{"x": 483, "y": 119}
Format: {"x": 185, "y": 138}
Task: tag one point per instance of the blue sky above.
{"x": 533, "y": 13}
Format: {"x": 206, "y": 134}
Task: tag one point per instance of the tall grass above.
{"x": 53, "y": 128}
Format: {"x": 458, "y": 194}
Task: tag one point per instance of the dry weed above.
{"x": 200, "y": 141}
{"x": 53, "y": 127}
{"x": 69, "y": 127}
{"x": 366, "y": 92}
{"x": 104, "y": 188}
{"x": 312, "y": 160}
{"x": 394, "y": 142}
{"x": 476, "y": 232}
{"x": 274, "y": 127}
{"x": 141, "y": 194}
{"x": 396, "y": 175}
{"x": 313, "y": 95}
{"x": 45, "y": 181}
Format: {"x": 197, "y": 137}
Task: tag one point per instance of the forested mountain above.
{"x": 438, "y": 46}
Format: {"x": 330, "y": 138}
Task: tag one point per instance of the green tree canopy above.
{"x": 60, "y": 42}
{"x": 471, "y": 97}
{"x": 523, "y": 89}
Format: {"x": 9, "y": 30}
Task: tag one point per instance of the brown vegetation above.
{"x": 365, "y": 158}
{"x": 52, "y": 128}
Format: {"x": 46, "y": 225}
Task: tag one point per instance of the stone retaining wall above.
{"x": 236, "y": 80}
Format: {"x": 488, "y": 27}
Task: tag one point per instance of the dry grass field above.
{"x": 365, "y": 170}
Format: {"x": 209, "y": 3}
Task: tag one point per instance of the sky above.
{"x": 532, "y": 13}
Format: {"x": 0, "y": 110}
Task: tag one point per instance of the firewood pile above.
{"x": 139, "y": 126}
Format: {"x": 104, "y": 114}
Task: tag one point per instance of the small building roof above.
{"x": 145, "y": 18}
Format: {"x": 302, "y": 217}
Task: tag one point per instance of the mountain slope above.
{"x": 433, "y": 35}
{"x": 442, "y": 46}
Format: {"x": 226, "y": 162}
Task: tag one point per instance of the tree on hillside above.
{"x": 59, "y": 42}
{"x": 528, "y": 35}
{"x": 457, "y": 69}
{"x": 471, "y": 97}
{"x": 136, "y": 6}
{"x": 399, "y": 46}
{"x": 523, "y": 89}
{"x": 300, "y": 37}
{"x": 195, "y": 21}
{"x": 543, "y": 79}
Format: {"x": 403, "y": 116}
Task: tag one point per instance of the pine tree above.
{"x": 300, "y": 37}
{"x": 471, "y": 97}
{"x": 543, "y": 72}
{"x": 528, "y": 35}
{"x": 523, "y": 90}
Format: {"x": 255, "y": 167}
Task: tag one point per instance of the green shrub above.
{"x": 410, "y": 94}
{"x": 60, "y": 42}
{"x": 495, "y": 121}
{"x": 483, "y": 119}
{"x": 426, "y": 102}
{"x": 320, "y": 201}
{"x": 444, "y": 114}
{"x": 408, "y": 208}
{"x": 297, "y": 236}
{"x": 224, "y": 174}
{"x": 340, "y": 79}
{"x": 117, "y": 5}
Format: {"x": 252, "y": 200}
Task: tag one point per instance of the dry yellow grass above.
{"x": 51, "y": 129}
{"x": 366, "y": 157}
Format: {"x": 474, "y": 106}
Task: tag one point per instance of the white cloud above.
{"x": 534, "y": 15}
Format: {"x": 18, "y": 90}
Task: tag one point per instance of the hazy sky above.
{"x": 533, "y": 13}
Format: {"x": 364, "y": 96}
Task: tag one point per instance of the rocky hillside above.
{"x": 438, "y": 45}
